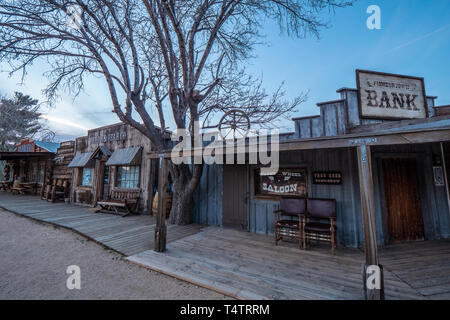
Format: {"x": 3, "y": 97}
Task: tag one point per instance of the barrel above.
{"x": 168, "y": 204}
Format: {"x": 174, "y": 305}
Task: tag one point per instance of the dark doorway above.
{"x": 403, "y": 205}
{"x": 104, "y": 181}
{"x": 235, "y": 197}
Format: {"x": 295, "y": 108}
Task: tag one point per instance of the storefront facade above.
{"x": 31, "y": 162}
{"x": 112, "y": 157}
{"x": 409, "y": 155}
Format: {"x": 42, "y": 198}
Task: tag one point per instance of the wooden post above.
{"x": 149, "y": 186}
{"x": 369, "y": 223}
{"x": 444, "y": 166}
{"x": 161, "y": 228}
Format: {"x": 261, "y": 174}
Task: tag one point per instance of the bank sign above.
{"x": 390, "y": 96}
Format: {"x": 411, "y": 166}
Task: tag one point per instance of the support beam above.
{"x": 444, "y": 166}
{"x": 161, "y": 227}
{"x": 372, "y": 267}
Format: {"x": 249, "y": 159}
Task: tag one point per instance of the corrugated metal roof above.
{"x": 127, "y": 156}
{"x": 80, "y": 160}
{"x": 49, "y": 146}
{"x": 105, "y": 150}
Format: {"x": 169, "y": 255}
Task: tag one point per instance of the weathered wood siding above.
{"x": 208, "y": 196}
{"x": 63, "y": 157}
{"x": 436, "y": 217}
{"x": 340, "y": 116}
{"x": 261, "y": 218}
{"x": 435, "y": 211}
{"x": 133, "y": 139}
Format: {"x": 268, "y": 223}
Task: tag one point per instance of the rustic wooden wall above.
{"x": 63, "y": 157}
{"x": 340, "y": 116}
{"x": 261, "y": 218}
{"x": 208, "y": 197}
{"x": 434, "y": 203}
{"x": 133, "y": 139}
{"x": 435, "y": 210}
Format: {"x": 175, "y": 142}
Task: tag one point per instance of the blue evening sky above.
{"x": 414, "y": 40}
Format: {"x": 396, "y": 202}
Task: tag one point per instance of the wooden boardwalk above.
{"x": 247, "y": 265}
{"x": 128, "y": 236}
{"x": 250, "y": 266}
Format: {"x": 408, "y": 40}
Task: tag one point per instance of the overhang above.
{"x": 25, "y": 155}
{"x": 125, "y": 157}
{"x": 80, "y": 160}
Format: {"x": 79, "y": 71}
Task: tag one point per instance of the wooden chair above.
{"x": 289, "y": 220}
{"x": 121, "y": 199}
{"x": 59, "y": 190}
{"x": 46, "y": 191}
{"x": 320, "y": 222}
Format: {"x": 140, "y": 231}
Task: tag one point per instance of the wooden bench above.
{"x": 121, "y": 199}
{"x": 22, "y": 187}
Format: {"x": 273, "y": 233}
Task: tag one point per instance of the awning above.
{"x": 80, "y": 160}
{"x": 25, "y": 155}
{"x": 125, "y": 157}
{"x": 99, "y": 151}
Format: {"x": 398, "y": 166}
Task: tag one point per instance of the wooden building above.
{"x": 31, "y": 163}
{"x": 381, "y": 150}
{"x": 63, "y": 157}
{"x": 113, "y": 156}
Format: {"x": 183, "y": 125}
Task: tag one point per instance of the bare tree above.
{"x": 182, "y": 58}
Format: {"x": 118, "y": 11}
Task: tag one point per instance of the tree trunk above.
{"x": 184, "y": 185}
{"x": 182, "y": 205}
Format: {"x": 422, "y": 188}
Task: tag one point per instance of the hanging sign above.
{"x": 286, "y": 182}
{"x": 390, "y": 96}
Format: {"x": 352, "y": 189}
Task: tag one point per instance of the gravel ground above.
{"x": 34, "y": 258}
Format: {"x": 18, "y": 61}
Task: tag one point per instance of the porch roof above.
{"x": 25, "y": 155}
{"x": 407, "y": 132}
{"x": 80, "y": 160}
{"x": 127, "y": 156}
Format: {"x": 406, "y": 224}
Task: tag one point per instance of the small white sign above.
{"x": 439, "y": 180}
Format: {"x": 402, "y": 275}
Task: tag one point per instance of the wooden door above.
{"x": 403, "y": 205}
{"x": 235, "y": 197}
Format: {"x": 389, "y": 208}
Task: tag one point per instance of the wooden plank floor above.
{"x": 249, "y": 266}
{"x": 126, "y": 235}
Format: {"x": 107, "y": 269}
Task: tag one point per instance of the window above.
{"x": 33, "y": 173}
{"x": 128, "y": 177}
{"x": 41, "y": 172}
{"x": 86, "y": 178}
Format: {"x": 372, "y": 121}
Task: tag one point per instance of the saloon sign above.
{"x": 389, "y": 96}
{"x": 287, "y": 182}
